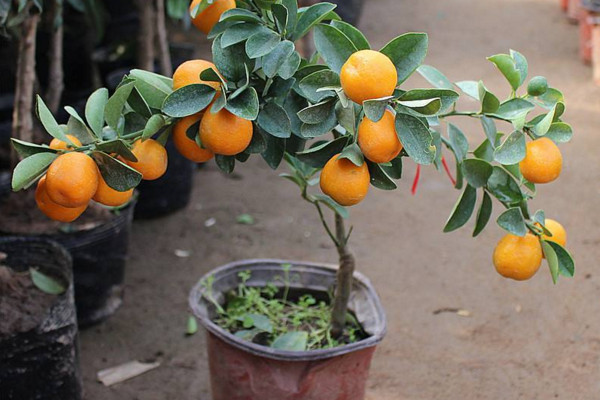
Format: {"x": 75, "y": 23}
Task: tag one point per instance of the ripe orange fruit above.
{"x": 186, "y": 146}
{"x": 368, "y": 74}
{"x": 345, "y": 182}
{"x": 53, "y": 210}
{"x": 189, "y": 73}
{"x": 225, "y": 133}
{"x": 559, "y": 234}
{"x": 209, "y": 17}
{"x": 60, "y": 145}
{"x": 151, "y": 157}
{"x": 109, "y": 196}
{"x": 518, "y": 258}
{"x": 72, "y": 179}
{"x": 379, "y": 141}
{"x": 543, "y": 161}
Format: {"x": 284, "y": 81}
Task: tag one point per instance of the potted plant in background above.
{"x": 98, "y": 275}
{"x": 287, "y": 330}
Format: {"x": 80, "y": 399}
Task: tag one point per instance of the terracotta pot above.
{"x": 242, "y": 370}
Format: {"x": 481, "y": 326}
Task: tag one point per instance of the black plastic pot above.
{"x": 171, "y": 192}
{"x": 241, "y": 370}
{"x": 42, "y": 363}
{"x": 99, "y": 260}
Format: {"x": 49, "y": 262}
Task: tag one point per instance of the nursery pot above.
{"x": 99, "y": 259}
{"x": 169, "y": 193}
{"x": 38, "y": 356}
{"x": 590, "y": 11}
{"x": 242, "y": 370}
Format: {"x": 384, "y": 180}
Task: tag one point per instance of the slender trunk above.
{"x": 145, "y": 53}
{"x": 166, "y": 67}
{"x": 344, "y": 279}
{"x": 56, "y": 83}
{"x": 22, "y": 126}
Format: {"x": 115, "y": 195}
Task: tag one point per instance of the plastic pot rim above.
{"x": 198, "y": 290}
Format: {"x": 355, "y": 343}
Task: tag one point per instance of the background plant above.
{"x": 295, "y": 102}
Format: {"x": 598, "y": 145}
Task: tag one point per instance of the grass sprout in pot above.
{"x": 269, "y": 355}
{"x": 38, "y": 327}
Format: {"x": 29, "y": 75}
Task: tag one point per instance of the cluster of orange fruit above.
{"x": 73, "y": 179}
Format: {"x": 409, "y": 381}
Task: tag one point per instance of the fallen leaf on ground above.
{"x": 123, "y": 372}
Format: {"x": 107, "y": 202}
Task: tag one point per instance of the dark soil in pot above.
{"x": 38, "y": 331}
{"x": 98, "y": 242}
{"x": 171, "y": 192}
{"x": 243, "y": 370}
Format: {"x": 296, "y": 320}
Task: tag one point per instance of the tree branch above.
{"x": 145, "y": 51}
{"x": 166, "y": 67}
{"x": 56, "y": 73}
{"x": 345, "y": 276}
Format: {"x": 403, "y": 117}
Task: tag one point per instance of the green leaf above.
{"x": 435, "y": 77}
{"x": 379, "y": 178}
{"x": 462, "y": 210}
{"x": 407, "y": 52}
{"x": 356, "y": 37}
{"x": 514, "y": 109}
{"x": 489, "y": 102}
{"x": 290, "y": 66}
{"x": 346, "y": 117}
{"x": 240, "y": 32}
{"x": 489, "y": 127}
{"x": 317, "y": 80}
{"x": 335, "y": 207}
{"x": 262, "y": 43}
{"x": 113, "y": 111}
{"x": 542, "y": 127}
{"x": 333, "y": 46}
{"x": 375, "y": 109}
{"x": 458, "y": 142}
{"x": 551, "y": 259}
{"x": 353, "y": 153}
{"x": 291, "y": 341}
{"x": 258, "y": 321}
{"x": 521, "y": 64}
{"x": 153, "y": 88}
{"x": 309, "y": 131}
{"x": 506, "y": 64}
{"x": 512, "y": 221}
{"x": 240, "y": 14}
{"x": 225, "y": 163}
{"x": 48, "y": 121}
{"x": 416, "y": 138}
{"x": 153, "y": 126}
{"x": 552, "y": 97}
{"x": 504, "y": 187}
{"x": 274, "y": 120}
{"x": 231, "y": 62}
{"x": 483, "y": 215}
{"x": 46, "y": 283}
{"x": 447, "y": 97}
{"x": 317, "y": 113}
{"x": 566, "y": 264}
{"x": 477, "y": 172}
{"x": 292, "y": 13}
{"x": 78, "y": 128}
{"x": 470, "y": 88}
{"x": 26, "y": 149}
{"x": 245, "y": 219}
{"x": 245, "y": 105}
{"x": 118, "y": 175}
{"x": 318, "y": 156}
{"x": 274, "y": 151}
{"x": 394, "y": 170}
{"x": 94, "y": 110}
{"x": 192, "y": 326}
{"x": 273, "y": 61}
{"x": 188, "y": 100}
{"x": 560, "y": 132}
{"x": 138, "y": 104}
{"x": 280, "y": 14}
{"x": 31, "y": 169}
{"x": 512, "y": 150}
{"x": 424, "y": 107}
{"x": 311, "y": 17}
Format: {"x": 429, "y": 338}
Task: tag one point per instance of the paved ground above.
{"x": 522, "y": 341}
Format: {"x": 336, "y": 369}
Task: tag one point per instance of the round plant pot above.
{"x": 99, "y": 260}
{"x": 171, "y": 192}
{"x": 242, "y": 370}
{"x": 40, "y": 363}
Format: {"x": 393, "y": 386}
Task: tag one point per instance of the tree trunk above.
{"x": 56, "y": 83}
{"x": 345, "y": 275}
{"x": 146, "y": 34}
{"x": 22, "y": 126}
{"x": 166, "y": 67}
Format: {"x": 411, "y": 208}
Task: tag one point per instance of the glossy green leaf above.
{"x": 273, "y": 61}
{"x": 94, "y": 110}
{"x": 333, "y": 46}
{"x": 504, "y": 187}
{"x": 274, "y": 120}
{"x": 231, "y": 62}
{"x": 560, "y": 132}
{"x": 483, "y": 215}
{"x": 512, "y": 150}
{"x": 435, "y": 77}
{"x": 356, "y": 36}
{"x": 566, "y": 264}
{"x": 188, "y": 100}
{"x": 48, "y": 121}
{"x": 423, "y": 107}
{"x": 477, "y": 172}
{"x": 470, "y": 88}
{"x": 291, "y": 341}
{"x": 113, "y": 111}
{"x": 375, "y": 109}
{"x": 462, "y": 210}
{"x": 514, "y": 108}
{"x": 245, "y": 105}
{"x": 290, "y": 66}
{"x": 240, "y": 32}
{"x": 153, "y": 126}
{"x": 407, "y": 52}
{"x": 379, "y": 178}
{"x": 447, "y": 97}
{"x": 506, "y": 64}
{"x": 552, "y": 260}
{"x": 542, "y": 127}
{"x": 489, "y": 102}
{"x": 262, "y": 43}
{"x": 416, "y": 138}
{"x": 353, "y": 154}
{"x": 458, "y": 142}
{"x": 225, "y": 163}
{"x": 520, "y": 64}
{"x": 274, "y": 151}
{"x": 311, "y": 17}
{"x": 318, "y": 156}
{"x": 46, "y": 283}
{"x": 26, "y": 149}
{"x": 512, "y": 221}
{"x": 311, "y": 84}
{"x": 240, "y": 14}
{"x": 335, "y": 207}
{"x": 30, "y": 169}
{"x": 317, "y": 113}
{"x": 118, "y": 175}
{"x": 489, "y": 127}
{"x": 153, "y": 88}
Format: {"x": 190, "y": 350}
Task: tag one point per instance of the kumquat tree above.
{"x": 340, "y": 119}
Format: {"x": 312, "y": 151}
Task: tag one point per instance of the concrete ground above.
{"x": 529, "y": 340}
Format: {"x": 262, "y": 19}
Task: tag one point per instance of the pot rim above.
{"x": 197, "y": 292}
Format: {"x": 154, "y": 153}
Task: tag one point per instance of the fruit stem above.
{"x": 344, "y": 279}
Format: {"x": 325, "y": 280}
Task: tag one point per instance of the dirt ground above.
{"x": 526, "y": 341}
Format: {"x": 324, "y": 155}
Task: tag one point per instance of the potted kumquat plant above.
{"x": 343, "y": 123}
